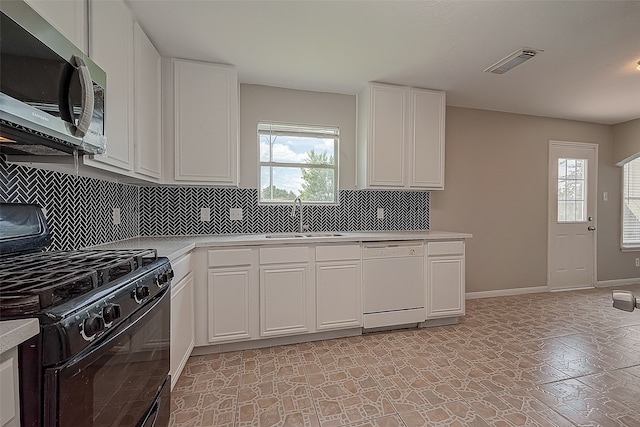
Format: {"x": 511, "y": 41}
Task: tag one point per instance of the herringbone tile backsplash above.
{"x": 176, "y": 210}
{"x": 79, "y": 209}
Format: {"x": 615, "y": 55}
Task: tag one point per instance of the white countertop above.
{"x": 173, "y": 247}
{"x": 15, "y": 332}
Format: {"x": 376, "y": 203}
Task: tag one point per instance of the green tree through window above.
{"x": 318, "y": 183}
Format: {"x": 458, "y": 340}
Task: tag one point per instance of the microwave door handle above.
{"x": 64, "y": 103}
{"x": 86, "y": 85}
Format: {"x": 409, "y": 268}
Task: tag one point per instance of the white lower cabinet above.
{"x": 286, "y": 292}
{"x": 445, "y": 279}
{"x": 182, "y": 319}
{"x": 277, "y": 292}
{"x": 229, "y": 304}
{"x": 9, "y": 389}
{"x": 338, "y": 287}
{"x": 231, "y": 295}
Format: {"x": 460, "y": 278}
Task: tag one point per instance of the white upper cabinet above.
{"x": 401, "y": 137}
{"x": 148, "y": 141}
{"x": 67, "y": 16}
{"x": 426, "y": 140}
{"x": 205, "y": 121}
{"x": 133, "y": 100}
{"x": 111, "y": 47}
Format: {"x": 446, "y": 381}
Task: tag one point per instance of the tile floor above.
{"x": 550, "y": 359}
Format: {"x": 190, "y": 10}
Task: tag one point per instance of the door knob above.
{"x": 591, "y": 228}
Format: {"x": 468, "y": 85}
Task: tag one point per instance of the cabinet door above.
{"x": 426, "y": 157}
{"x": 283, "y": 300}
{"x": 111, "y": 48}
{"x": 206, "y": 123}
{"x": 387, "y": 136}
{"x": 445, "y": 286}
{"x": 148, "y": 144}
{"x": 229, "y": 304}
{"x": 338, "y": 295}
{"x": 9, "y": 389}
{"x": 67, "y": 16}
{"x": 182, "y": 336}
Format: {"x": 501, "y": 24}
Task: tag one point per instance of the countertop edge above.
{"x": 174, "y": 247}
{"x": 15, "y": 332}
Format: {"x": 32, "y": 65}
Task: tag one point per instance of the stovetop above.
{"x": 32, "y": 283}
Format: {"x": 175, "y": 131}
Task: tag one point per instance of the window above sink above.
{"x": 298, "y": 161}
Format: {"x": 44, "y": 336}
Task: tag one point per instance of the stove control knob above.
{"x": 111, "y": 312}
{"x": 166, "y": 277}
{"x": 91, "y": 326}
{"x": 140, "y": 293}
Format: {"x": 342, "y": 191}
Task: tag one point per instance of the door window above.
{"x": 572, "y": 190}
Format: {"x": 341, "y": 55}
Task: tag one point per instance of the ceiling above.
{"x": 587, "y": 71}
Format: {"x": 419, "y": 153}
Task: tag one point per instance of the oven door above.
{"x": 119, "y": 381}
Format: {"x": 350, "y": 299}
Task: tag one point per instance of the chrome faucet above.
{"x": 302, "y": 227}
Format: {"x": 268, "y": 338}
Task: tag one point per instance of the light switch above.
{"x": 605, "y": 196}
{"x": 380, "y": 213}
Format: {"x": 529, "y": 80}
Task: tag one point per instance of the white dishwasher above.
{"x": 393, "y": 283}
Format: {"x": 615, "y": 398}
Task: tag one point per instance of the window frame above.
{"x": 629, "y": 247}
{"x": 304, "y": 130}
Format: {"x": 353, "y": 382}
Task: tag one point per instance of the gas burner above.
{"x": 32, "y": 282}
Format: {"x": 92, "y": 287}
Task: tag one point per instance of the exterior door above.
{"x": 573, "y": 172}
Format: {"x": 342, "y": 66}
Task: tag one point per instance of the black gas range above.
{"x": 102, "y": 355}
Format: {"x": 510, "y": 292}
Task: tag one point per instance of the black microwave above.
{"x": 52, "y": 95}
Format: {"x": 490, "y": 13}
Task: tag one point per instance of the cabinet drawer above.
{"x": 337, "y": 252}
{"x": 181, "y": 267}
{"x": 445, "y": 248}
{"x": 284, "y": 254}
{"x": 229, "y": 257}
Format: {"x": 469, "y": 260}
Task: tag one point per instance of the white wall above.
{"x": 496, "y": 188}
{"x": 295, "y": 106}
{"x": 626, "y": 141}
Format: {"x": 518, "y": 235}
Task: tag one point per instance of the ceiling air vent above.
{"x": 513, "y": 60}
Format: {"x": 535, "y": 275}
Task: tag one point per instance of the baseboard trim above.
{"x": 506, "y": 292}
{"x": 538, "y": 289}
{"x": 617, "y": 282}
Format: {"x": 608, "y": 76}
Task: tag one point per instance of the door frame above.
{"x": 550, "y": 214}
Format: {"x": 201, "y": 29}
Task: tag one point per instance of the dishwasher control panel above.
{"x": 392, "y": 249}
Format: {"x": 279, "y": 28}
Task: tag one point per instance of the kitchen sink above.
{"x": 298, "y": 235}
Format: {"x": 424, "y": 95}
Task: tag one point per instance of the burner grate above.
{"x": 32, "y": 282}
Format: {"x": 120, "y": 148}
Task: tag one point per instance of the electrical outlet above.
{"x": 637, "y": 262}
{"x": 116, "y": 217}
{"x": 235, "y": 214}
{"x": 380, "y": 213}
{"x": 205, "y": 214}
